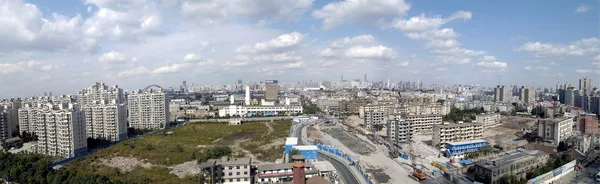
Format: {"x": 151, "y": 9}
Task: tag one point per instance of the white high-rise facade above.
{"x": 105, "y": 113}
{"x": 61, "y": 133}
{"x": 6, "y": 123}
{"x": 247, "y": 97}
{"x": 148, "y": 109}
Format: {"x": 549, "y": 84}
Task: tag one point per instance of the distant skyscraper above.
{"x": 527, "y": 95}
{"x": 272, "y": 90}
{"x": 585, "y": 84}
{"x": 148, "y": 109}
{"x": 569, "y": 96}
{"x": 502, "y": 94}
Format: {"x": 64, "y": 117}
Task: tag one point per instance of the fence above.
{"x": 344, "y": 156}
{"x": 554, "y": 174}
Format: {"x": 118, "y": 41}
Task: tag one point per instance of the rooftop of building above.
{"x": 225, "y": 161}
{"x": 291, "y": 141}
{"x": 466, "y": 142}
{"x": 280, "y": 166}
{"x": 452, "y": 125}
{"x": 323, "y": 166}
{"x": 554, "y": 120}
{"x": 306, "y": 147}
{"x": 510, "y": 159}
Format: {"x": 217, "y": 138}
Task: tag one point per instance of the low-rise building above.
{"x": 398, "y": 130}
{"x": 488, "y": 120}
{"x": 517, "y": 164}
{"x": 581, "y": 143}
{"x": 555, "y": 130}
{"x": 373, "y": 118}
{"x": 458, "y": 149}
{"x": 443, "y": 134}
{"x": 234, "y": 110}
{"x": 423, "y": 123}
{"x": 226, "y": 170}
{"x": 281, "y": 173}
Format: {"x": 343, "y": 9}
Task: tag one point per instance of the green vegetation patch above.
{"x": 188, "y": 143}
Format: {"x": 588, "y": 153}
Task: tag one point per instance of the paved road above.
{"x": 342, "y": 168}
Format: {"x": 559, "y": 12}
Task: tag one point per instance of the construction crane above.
{"x": 418, "y": 172}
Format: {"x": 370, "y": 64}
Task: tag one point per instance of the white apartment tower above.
{"x": 443, "y": 134}
{"x": 247, "y": 97}
{"x": 105, "y": 113}
{"x": 502, "y": 94}
{"x": 374, "y": 117}
{"x": 148, "y": 109}
{"x": 61, "y": 133}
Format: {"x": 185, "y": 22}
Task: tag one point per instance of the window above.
{"x": 237, "y": 167}
{"x": 230, "y": 180}
{"x": 238, "y": 179}
{"x": 245, "y": 172}
{"x": 245, "y": 167}
{"x": 238, "y": 173}
{"x": 230, "y": 173}
{"x": 245, "y": 179}
{"x": 230, "y": 167}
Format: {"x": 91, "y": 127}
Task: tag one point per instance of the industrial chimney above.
{"x": 247, "y": 98}
{"x": 298, "y": 169}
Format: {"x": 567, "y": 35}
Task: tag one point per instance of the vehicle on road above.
{"x": 597, "y": 176}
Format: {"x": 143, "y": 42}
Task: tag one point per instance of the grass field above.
{"x": 188, "y": 143}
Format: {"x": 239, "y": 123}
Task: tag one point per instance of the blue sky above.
{"x": 67, "y": 45}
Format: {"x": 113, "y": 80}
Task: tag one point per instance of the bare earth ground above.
{"x": 185, "y": 169}
{"x": 377, "y": 164}
{"x": 125, "y": 164}
{"x": 505, "y": 135}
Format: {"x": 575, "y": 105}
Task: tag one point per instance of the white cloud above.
{"x": 192, "y": 58}
{"x": 458, "y": 52}
{"x": 377, "y": 52}
{"x": 489, "y": 62}
{"x": 350, "y": 11}
{"x": 445, "y": 33}
{"x": 123, "y": 20}
{"x": 422, "y": 23}
{"x": 138, "y": 71}
{"x": 24, "y": 66}
{"x": 112, "y": 57}
{"x": 443, "y": 44}
{"x": 452, "y": 59}
{"x": 171, "y": 68}
{"x": 347, "y": 41}
{"x": 582, "y": 71}
{"x": 277, "y": 44}
{"x": 536, "y": 68}
{"x": 441, "y": 69}
{"x": 281, "y": 57}
{"x": 578, "y": 48}
{"x": 25, "y": 29}
{"x": 212, "y": 12}
{"x": 294, "y": 65}
{"x": 583, "y": 8}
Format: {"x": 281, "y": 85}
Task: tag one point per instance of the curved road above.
{"x": 342, "y": 168}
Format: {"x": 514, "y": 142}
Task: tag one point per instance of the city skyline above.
{"x": 62, "y": 47}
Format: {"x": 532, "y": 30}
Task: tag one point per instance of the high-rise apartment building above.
{"x": 105, "y": 113}
{"x": 585, "y": 84}
{"x": 527, "y": 95}
{"x": 502, "y": 94}
{"x": 272, "y": 90}
{"x": 569, "y": 96}
{"x": 61, "y": 133}
{"x": 7, "y": 118}
{"x": 443, "y": 134}
{"x": 148, "y": 109}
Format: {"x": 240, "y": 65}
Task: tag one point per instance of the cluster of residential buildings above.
{"x": 63, "y": 123}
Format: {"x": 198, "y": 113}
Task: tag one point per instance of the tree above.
{"x": 378, "y": 127}
{"x": 562, "y": 147}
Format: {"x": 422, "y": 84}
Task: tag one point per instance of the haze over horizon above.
{"x": 68, "y": 45}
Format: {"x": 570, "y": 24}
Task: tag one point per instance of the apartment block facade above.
{"x": 148, "y": 109}
{"x": 398, "y": 130}
{"x": 587, "y": 124}
{"x": 106, "y": 115}
{"x": 372, "y": 118}
{"x": 443, "y": 134}
{"x": 226, "y": 170}
{"x": 106, "y": 121}
{"x": 555, "y": 130}
{"x": 7, "y": 118}
{"x": 423, "y": 123}
{"x": 61, "y": 133}
{"x": 488, "y": 120}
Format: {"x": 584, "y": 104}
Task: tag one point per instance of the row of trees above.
{"x": 552, "y": 164}
{"x": 33, "y": 168}
{"x": 456, "y": 114}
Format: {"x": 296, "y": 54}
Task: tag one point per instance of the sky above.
{"x": 64, "y": 46}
